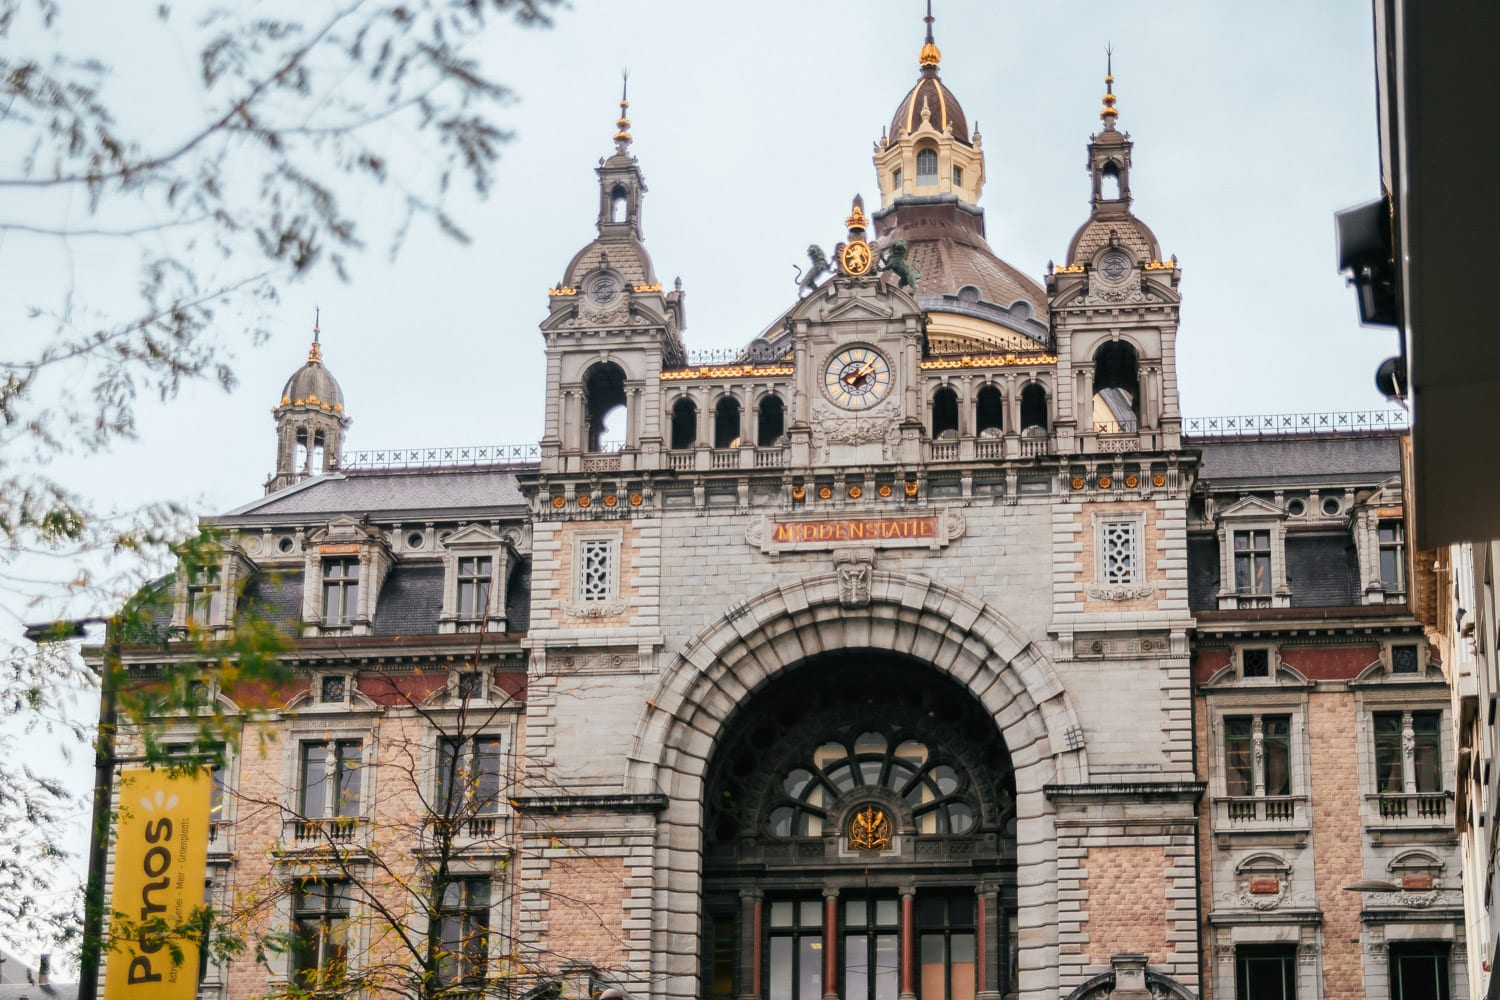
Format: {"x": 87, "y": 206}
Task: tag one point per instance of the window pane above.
{"x": 1239, "y": 760}
{"x": 933, "y": 967}
{"x": 1388, "y": 777}
{"x": 961, "y": 967}
{"x": 348, "y": 778}
{"x": 314, "y": 779}
{"x": 1427, "y": 757}
{"x": 487, "y": 773}
{"x": 856, "y": 966}
{"x": 1277, "y": 740}
{"x": 809, "y": 971}
{"x": 887, "y": 967}
{"x": 779, "y": 977}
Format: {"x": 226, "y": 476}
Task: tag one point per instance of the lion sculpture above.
{"x": 806, "y": 283}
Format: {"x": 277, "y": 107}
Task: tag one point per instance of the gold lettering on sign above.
{"x": 339, "y": 550}
{"x": 872, "y": 529}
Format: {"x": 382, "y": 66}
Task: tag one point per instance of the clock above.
{"x": 857, "y": 378}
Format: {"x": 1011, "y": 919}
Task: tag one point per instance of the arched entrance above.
{"x": 859, "y": 838}
{"x": 915, "y": 620}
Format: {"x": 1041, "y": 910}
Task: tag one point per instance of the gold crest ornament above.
{"x": 856, "y": 258}
{"x": 870, "y": 829}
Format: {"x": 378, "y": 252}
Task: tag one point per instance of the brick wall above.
{"x": 1333, "y": 739}
{"x": 1127, "y": 903}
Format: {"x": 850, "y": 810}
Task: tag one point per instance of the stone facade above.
{"x": 913, "y": 652}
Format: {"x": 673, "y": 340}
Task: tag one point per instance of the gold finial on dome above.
{"x": 622, "y": 124}
{"x": 930, "y": 55}
{"x": 315, "y": 352}
{"x": 1108, "y": 114}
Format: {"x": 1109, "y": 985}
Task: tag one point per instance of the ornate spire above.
{"x": 315, "y": 352}
{"x": 622, "y": 125}
{"x": 930, "y": 55}
{"x": 1108, "y": 114}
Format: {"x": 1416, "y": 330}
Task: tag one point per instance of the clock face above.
{"x": 857, "y": 378}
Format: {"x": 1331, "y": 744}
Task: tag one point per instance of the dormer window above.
{"x": 1252, "y": 562}
{"x": 474, "y": 576}
{"x": 340, "y": 591}
{"x": 1392, "y": 536}
{"x": 927, "y": 167}
{"x": 205, "y": 597}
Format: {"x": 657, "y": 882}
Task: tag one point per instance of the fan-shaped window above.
{"x": 604, "y": 407}
{"x": 1033, "y": 408}
{"x": 989, "y": 411}
{"x": 937, "y": 793}
{"x": 1117, "y": 389}
{"x": 772, "y": 421}
{"x": 944, "y": 413}
{"x": 684, "y": 424}
{"x": 727, "y": 423}
{"x": 926, "y": 166}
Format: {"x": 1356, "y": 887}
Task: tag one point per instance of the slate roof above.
{"x": 410, "y": 601}
{"x": 1364, "y": 458}
{"x": 277, "y": 597}
{"x": 388, "y": 491}
{"x": 1322, "y": 570}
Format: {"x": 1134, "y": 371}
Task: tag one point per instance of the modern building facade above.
{"x": 915, "y": 652}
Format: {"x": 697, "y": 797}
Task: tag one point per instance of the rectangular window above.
{"x": 1258, "y": 755}
{"x": 320, "y": 918}
{"x": 1427, "y": 752}
{"x": 469, "y": 775}
{"x": 1419, "y": 971}
{"x": 1392, "y": 555}
{"x": 1118, "y": 552}
{"x": 927, "y": 167}
{"x": 1255, "y": 662}
{"x": 330, "y": 779}
{"x": 1252, "y": 562}
{"x": 871, "y": 946}
{"x": 205, "y": 598}
{"x": 210, "y": 757}
{"x": 1265, "y": 972}
{"x": 474, "y": 575}
{"x": 1388, "y": 772}
{"x": 958, "y": 176}
{"x": 946, "y": 941}
{"x": 1392, "y": 730}
{"x": 795, "y": 950}
{"x": 596, "y": 569}
{"x": 1404, "y": 659}
{"x": 464, "y": 931}
{"x": 340, "y": 591}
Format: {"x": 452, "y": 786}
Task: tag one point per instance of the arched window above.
{"x": 684, "y": 424}
{"x": 1034, "y": 408}
{"x": 1109, "y": 183}
{"x": 944, "y": 414}
{"x": 604, "y": 407}
{"x": 619, "y": 205}
{"x": 1117, "y": 391}
{"x": 302, "y": 460}
{"x": 727, "y": 423}
{"x": 315, "y": 460}
{"x": 989, "y": 411}
{"x": 926, "y": 166}
{"x": 772, "y": 421}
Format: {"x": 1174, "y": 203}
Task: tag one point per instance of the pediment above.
{"x": 1250, "y": 507}
{"x": 344, "y": 528}
{"x": 473, "y": 535}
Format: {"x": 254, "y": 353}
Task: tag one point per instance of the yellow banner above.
{"x": 161, "y": 853}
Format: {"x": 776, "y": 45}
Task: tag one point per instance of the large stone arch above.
{"x": 755, "y": 640}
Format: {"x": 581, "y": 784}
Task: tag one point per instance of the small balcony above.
{"x": 1259, "y": 813}
{"x": 1409, "y": 809}
{"x": 339, "y": 831}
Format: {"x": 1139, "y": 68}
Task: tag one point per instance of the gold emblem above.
{"x": 870, "y": 829}
{"x": 856, "y": 258}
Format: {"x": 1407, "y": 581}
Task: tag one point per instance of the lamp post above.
{"x": 92, "y": 946}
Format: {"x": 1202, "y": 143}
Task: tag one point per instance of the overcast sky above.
{"x": 754, "y": 124}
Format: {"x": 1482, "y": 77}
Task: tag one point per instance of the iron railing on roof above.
{"x": 1285, "y": 424}
{"x": 459, "y": 455}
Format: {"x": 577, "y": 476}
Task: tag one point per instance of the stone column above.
{"x": 752, "y": 907}
{"x": 908, "y": 943}
{"x": 830, "y": 944}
